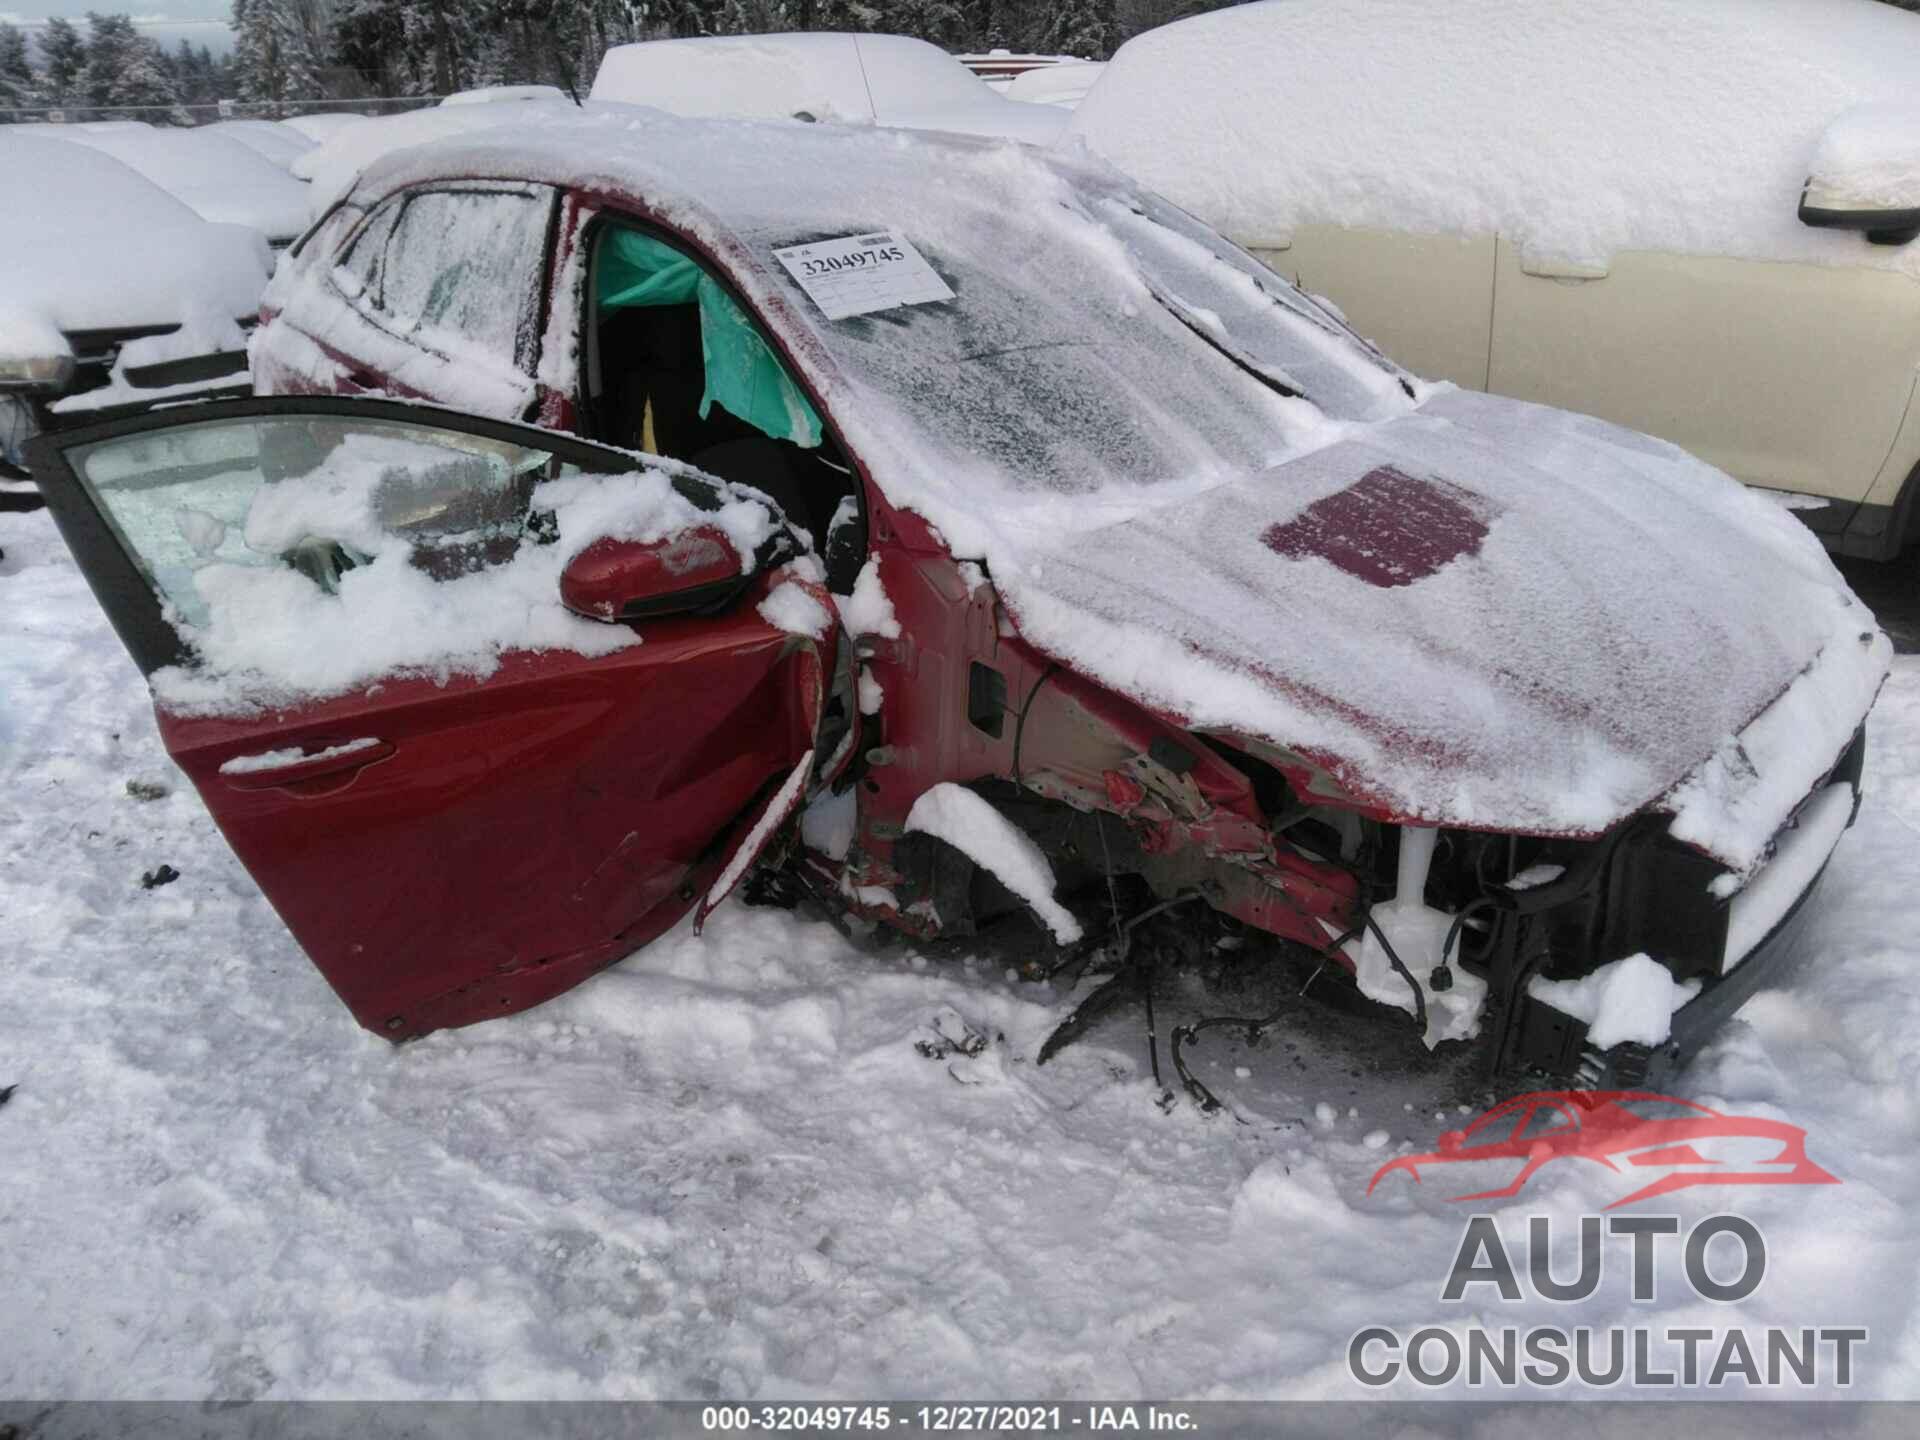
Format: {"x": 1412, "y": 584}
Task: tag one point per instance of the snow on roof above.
{"x": 217, "y": 176}
{"x": 1159, "y": 518}
{"x": 1574, "y": 129}
{"x": 323, "y": 127}
{"x": 268, "y": 138}
{"x": 888, "y": 79}
{"x": 90, "y": 245}
{"x": 1065, "y": 85}
{"x": 342, "y": 154}
{"x": 489, "y": 94}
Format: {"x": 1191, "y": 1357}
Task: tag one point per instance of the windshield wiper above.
{"x": 1264, "y": 376}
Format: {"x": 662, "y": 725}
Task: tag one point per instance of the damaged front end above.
{"x": 1507, "y": 940}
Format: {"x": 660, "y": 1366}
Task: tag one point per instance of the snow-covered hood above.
{"x": 1485, "y": 613}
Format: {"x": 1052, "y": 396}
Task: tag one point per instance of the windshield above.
{"x": 1095, "y": 338}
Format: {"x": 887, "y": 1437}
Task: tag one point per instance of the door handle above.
{"x": 278, "y": 769}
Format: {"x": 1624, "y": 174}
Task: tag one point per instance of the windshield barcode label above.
{"x": 859, "y": 274}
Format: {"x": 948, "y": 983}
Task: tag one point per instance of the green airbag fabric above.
{"x": 743, "y": 376}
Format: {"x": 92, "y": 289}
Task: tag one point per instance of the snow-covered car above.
{"x": 322, "y": 128}
{"x": 113, "y": 292}
{"x": 270, "y": 139}
{"x": 493, "y": 94}
{"x": 1064, "y": 85}
{"x": 879, "y": 79}
{"x": 1598, "y": 207}
{"x": 332, "y": 166}
{"x": 213, "y": 174}
{"x": 953, "y": 587}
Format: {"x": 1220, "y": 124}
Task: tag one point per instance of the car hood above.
{"x": 1488, "y": 614}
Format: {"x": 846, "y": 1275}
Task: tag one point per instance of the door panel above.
{"x": 542, "y": 820}
{"x": 447, "y": 840}
{"x": 1789, "y": 376}
{"x": 1426, "y": 300}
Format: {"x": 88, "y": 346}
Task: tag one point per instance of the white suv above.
{"x": 1695, "y": 218}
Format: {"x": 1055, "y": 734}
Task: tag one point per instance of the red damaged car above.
{"x": 952, "y": 531}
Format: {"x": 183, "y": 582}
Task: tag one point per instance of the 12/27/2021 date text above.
{"x": 946, "y": 1419}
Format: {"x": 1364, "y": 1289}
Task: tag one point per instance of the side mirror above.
{"x": 1866, "y": 174}
{"x": 1450, "y": 1141}
{"x": 695, "y": 572}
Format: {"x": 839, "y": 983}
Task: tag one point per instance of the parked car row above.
{"x": 107, "y": 275}
{"x": 135, "y": 256}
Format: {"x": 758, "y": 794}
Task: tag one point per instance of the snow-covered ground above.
{"x": 723, "y": 1168}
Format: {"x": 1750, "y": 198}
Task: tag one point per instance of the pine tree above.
{"x": 1082, "y": 28}
{"x": 64, "y": 54}
{"x": 124, "y": 69}
{"x": 274, "y": 49}
{"x": 18, "y": 84}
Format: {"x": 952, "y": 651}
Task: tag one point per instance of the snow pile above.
{"x": 977, "y": 830}
{"x": 796, "y": 608}
{"x": 1628, "y": 1001}
{"x": 1869, "y": 159}
{"x": 1573, "y": 130}
{"x": 869, "y": 609}
{"x": 90, "y": 245}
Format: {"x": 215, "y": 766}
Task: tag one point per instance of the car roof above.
{"x": 76, "y": 214}
{"x": 1678, "y": 126}
{"x": 891, "y": 79}
{"x": 217, "y": 176}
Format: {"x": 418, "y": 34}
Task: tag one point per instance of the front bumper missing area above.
{"x": 1752, "y": 942}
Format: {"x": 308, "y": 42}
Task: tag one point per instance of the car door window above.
{"x": 677, "y": 366}
{"x": 196, "y": 506}
{"x": 455, "y": 270}
{"x": 230, "y": 538}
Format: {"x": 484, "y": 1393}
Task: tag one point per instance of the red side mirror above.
{"x": 1450, "y": 1141}
{"x": 616, "y": 580}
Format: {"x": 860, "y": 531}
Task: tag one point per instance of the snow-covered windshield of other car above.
{"x": 1098, "y": 338}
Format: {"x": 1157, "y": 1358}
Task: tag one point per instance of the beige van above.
{"x": 1695, "y": 218}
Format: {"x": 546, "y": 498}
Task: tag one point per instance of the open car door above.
{"x": 461, "y": 795}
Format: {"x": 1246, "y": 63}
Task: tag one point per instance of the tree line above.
{"x": 288, "y": 51}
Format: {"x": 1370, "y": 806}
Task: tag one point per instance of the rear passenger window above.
{"x": 455, "y": 270}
